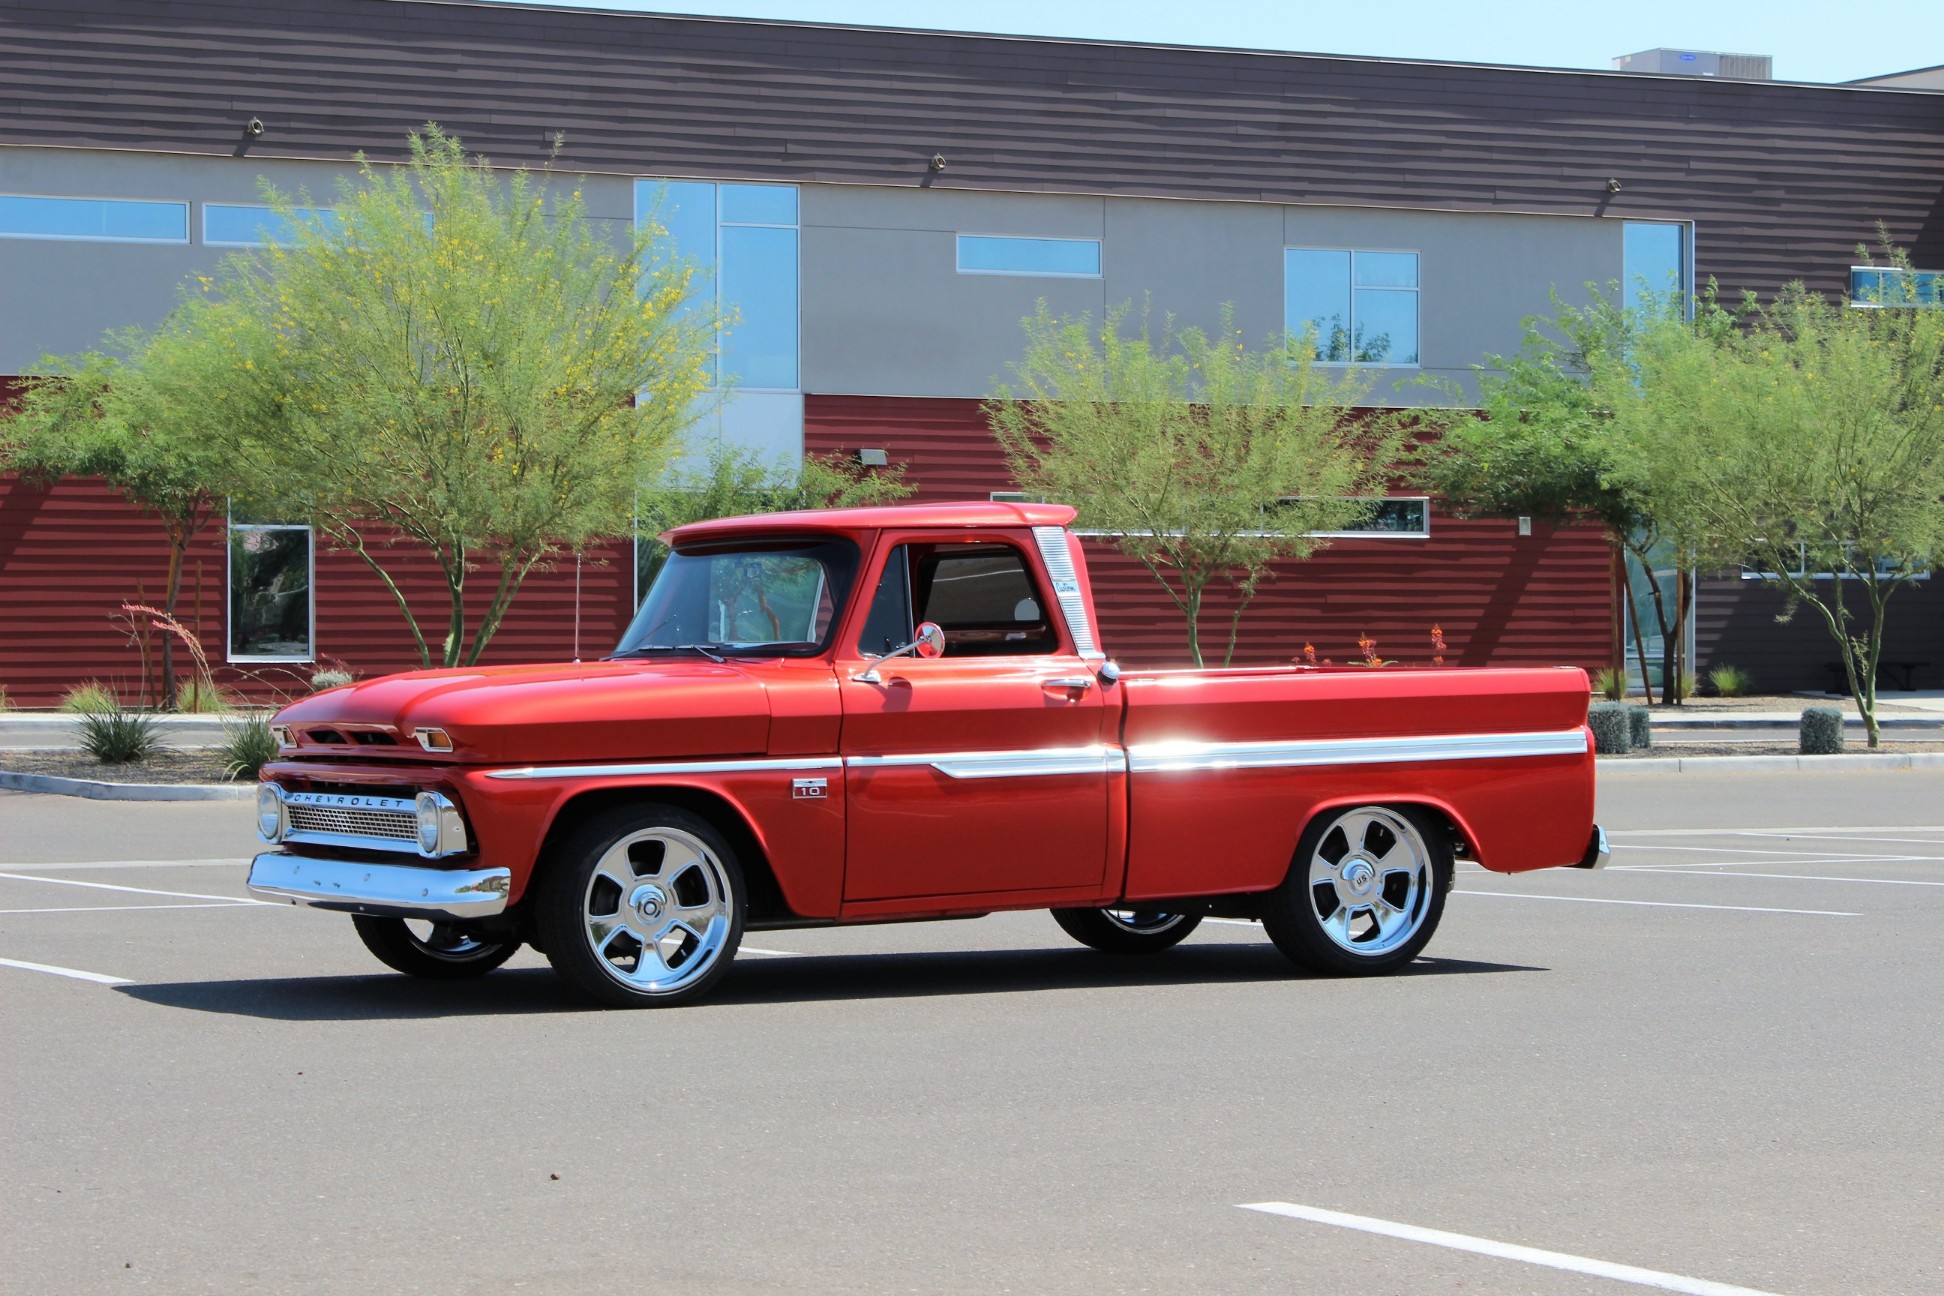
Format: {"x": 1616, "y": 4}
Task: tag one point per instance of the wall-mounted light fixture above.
{"x": 1613, "y": 186}
{"x": 1525, "y": 526}
{"x": 937, "y": 162}
{"x": 253, "y": 127}
{"x": 873, "y": 458}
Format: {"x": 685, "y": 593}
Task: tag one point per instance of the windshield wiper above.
{"x": 707, "y": 650}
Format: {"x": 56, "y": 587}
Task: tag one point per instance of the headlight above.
{"x": 272, "y": 820}
{"x": 440, "y": 829}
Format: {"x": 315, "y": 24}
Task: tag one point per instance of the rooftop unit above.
{"x": 1701, "y": 63}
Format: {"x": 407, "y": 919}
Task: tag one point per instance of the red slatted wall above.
{"x": 72, "y": 554}
{"x": 1502, "y": 599}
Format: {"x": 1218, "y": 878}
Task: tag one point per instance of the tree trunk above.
{"x": 1191, "y": 608}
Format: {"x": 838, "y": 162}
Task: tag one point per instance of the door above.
{"x": 984, "y": 770}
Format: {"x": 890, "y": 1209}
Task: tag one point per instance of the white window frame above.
{"x": 1800, "y": 571}
{"x": 1938, "y": 288}
{"x": 231, "y": 527}
{"x": 958, "y": 255}
{"x": 188, "y": 223}
{"x": 1417, "y": 300}
{"x": 1021, "y": 497}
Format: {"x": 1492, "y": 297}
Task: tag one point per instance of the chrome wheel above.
{"x": 1369, "y": 880}
{"x": 641, "y": 906}
{"x": 657, "y": 910}
{"x": 1127, "y": 929}
{"x": 1364, "y": 893}
{"x": 436, "y": 950}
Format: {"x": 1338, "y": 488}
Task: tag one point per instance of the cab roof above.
{"x": 960, "y": 513}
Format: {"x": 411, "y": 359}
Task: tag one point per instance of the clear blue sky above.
{"x": 1811, "y": 40}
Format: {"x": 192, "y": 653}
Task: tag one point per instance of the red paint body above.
{"x": 893, "y": 836}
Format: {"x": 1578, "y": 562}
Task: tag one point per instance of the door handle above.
{"x": 1077, "y": 683}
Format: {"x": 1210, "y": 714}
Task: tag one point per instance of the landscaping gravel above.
{"x": 164, "y": 767}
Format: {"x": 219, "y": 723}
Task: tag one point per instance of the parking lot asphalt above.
{"x": 1713, "y": 1067}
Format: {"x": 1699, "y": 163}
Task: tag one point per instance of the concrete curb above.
{"x": 1773, "y": 764}
{"x": 1764, "y": 720}
{"x": 98, "y": 791}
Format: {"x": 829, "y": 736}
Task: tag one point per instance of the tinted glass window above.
{"x": 759, "y": 204}
{"x": 781, "y": 599}
{"x": 984, "y": 599}
{"x": 759, "y": 284}
{"x": 990, "y": 254}
{"x": 1653, "y": 262}
{"x": 252, "y": 225}
{"x": 270, "y": 593}
{"x": 111, "y": 219}
{"x": 1361, "y": 307}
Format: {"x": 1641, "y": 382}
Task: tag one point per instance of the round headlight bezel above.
{"x": 430, "y": 811}
{"x": 273, "y": 813}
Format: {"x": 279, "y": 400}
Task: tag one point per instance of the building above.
{"x": 882, "y": 207}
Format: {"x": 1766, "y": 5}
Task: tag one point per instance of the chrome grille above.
{"x": 399, "y": 825}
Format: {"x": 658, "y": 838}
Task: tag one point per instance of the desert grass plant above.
{"x": 1610, "y": 684}
{"x": 1822, "y": 732}
{"x": 118, "y": 737}
{"x": 1612, "y": 728}
{"x": 4, "y": 704}
{"x": 198, "y": 695}
{"x": 327, "y": 679}
{"x": 247, "y": 745}
{"x": 91, "y": 698}
{"x": 1729, "y": 681}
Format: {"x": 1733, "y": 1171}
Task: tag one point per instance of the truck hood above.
{"x": 592, "y": 711}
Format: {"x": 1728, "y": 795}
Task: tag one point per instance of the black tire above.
{"x": 641, "y": 907}
{"x": 1364, "y": 892}
{"x": 1129, "y": 930}
{"x": 446, "y": 953}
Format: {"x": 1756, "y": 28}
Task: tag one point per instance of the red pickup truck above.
{"x": 886, "y": 714}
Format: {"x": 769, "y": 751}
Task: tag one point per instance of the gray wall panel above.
{"x": 1188, "y": 258}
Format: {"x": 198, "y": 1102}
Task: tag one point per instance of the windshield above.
{"x": 773, "y": 598}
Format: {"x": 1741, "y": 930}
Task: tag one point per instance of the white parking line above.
{"x": 1765, "y": 831}
{"x": 1507, "y": 1251}
{"x": 1660, "y": 904}
{"x": 110, "y": 886}
{"x": 76, "y": 973}
{"x": 1901, "y": 841}
{"x": 767, "y": 953}
{"x": 1765, "y": 853}
{"x": 1791, "y": 877}
{"x": 218, "y": 904}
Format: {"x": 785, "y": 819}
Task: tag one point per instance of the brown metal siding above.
{"x": 1502, "y": 600}
{"x": 1735, "y": 625}
{"x": 1784, "y": 179}
{"x": 70, "y": 556}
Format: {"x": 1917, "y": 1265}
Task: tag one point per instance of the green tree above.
{"x": 733, "y": 481}
{"x": 458, "y": 360}
{"x": 1804, "y": 440}
{"x": 1202, "y": 458}
{"x": 139, "y": 418}
{"x": 1545, "y": 443}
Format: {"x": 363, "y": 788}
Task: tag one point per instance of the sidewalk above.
{"x": 61, "y": 730}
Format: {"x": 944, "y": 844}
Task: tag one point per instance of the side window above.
{"x": 889, "y": 625}
{"x": 984, "y": 599}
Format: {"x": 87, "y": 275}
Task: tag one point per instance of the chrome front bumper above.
{"x": 393, "y": 890}
{"x": 1597, "y": 850}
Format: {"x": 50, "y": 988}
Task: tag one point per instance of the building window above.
{"x": 1655, "y": 263}
{"x": 1063, "y": 258}
{"x": 1874, "y": 287}
{"x": 272, "y": 611}
{"x": 1362, "y": 307}
{"x": 742, "y": 239}
{"x": 255, "y": 224}
{"x": 99, "y": 220}
{"x": 1406, "y": 516}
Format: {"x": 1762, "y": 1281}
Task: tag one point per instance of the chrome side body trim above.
{"x": 1171, "y": 757}
{"x": 756, "y": 765}
{"x": 1000, "y": 764}
{"x": 393, "y": 890}
{"x": 1052, "y": 542}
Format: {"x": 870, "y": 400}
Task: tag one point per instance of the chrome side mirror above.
{"x": 929, "y": 643}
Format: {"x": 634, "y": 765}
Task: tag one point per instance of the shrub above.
{"x": 92, "y": 698}
{"x": 1822, "y": 731}
{"x": 247, "y": 744}
{"x": 1640, "y": 726}
{"x": 325, "y": 679}
{"x": 117, "y": 737}
{"x": 1730, "y": 681}
{"x": 198, "y": 695}
{"x": 1609, "y": 683}
{"x": 1612, "y": 728}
